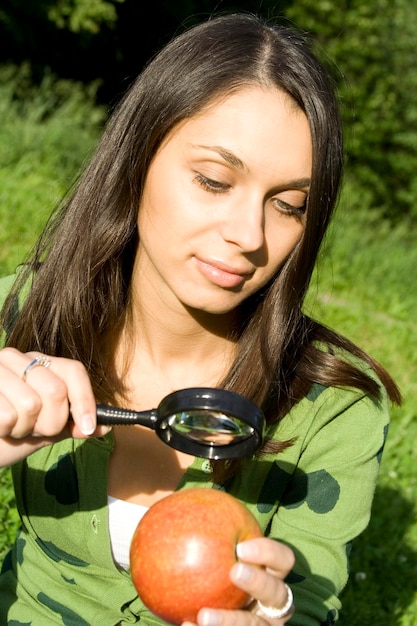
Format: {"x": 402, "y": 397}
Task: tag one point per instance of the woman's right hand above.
{"x": 34, "y": 412}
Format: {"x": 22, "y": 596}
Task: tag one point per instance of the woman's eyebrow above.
{"x": 299, "y": 183}
{"x": 225, "y": 154}
{"x": 232, "y": 159}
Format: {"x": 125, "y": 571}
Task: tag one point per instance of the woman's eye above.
{"x": 290, "y": 209}
{"x": 211, "y": 185}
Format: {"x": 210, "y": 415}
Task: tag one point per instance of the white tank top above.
{"x": 123, "y": 519}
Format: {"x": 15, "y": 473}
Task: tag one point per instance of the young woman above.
{"x": 182, "y": 259}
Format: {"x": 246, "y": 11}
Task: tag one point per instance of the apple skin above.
{"x": 183, "y": 549}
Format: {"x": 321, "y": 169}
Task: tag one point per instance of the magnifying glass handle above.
{"x": 210, "y": 423}
{"x": 115, "y": 416}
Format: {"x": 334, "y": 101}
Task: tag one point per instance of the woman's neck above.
{"x": 163, "y": 352}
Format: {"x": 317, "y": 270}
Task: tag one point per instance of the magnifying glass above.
{"x": 202, "y": 421}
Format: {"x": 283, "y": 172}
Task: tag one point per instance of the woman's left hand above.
{"x": 264, "y": 584}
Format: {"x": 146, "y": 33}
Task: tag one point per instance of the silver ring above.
{"x": 273, "y": 613}
{"x": 41, "y": 359}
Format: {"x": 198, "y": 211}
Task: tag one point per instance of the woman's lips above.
{"x": 222, "y": 275}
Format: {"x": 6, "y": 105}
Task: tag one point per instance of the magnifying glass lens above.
{"x": 211, "y": 427}
{"x": 206, "y": 422}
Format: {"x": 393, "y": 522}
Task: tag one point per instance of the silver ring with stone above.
{"x": 41, "y": 359}
{"x": 272, "y": 612}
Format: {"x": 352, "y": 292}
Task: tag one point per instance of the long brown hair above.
{"x": 82, "y": 265}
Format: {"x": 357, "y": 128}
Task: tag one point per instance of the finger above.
{"x": 39, "y": 397}
{"x": 260, "y": 583}
{"x": 13, "y": 421}
{"x": 284, "y": 612}
{"x": 19, "y": 404}
{"x": 272, "y": 554}
{"x": 260, "y": 572}
{"x": 40, "y": 404}
{"x": 51, "y": 389}
{"x": 78, "y": 395}
{"x": 220, "y": 617}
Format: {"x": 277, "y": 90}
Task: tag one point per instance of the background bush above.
{"x": 46, "y": 133}
{"x": 370, "y": 46}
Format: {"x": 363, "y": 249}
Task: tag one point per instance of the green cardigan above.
{"x": 315, "y": 496}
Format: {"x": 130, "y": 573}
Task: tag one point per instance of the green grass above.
{"x": 364, "y": 287}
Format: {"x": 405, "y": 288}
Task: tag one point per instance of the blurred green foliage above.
{"x": 46, "y": 133}
{"x": 368, "y": 45}
{"x": 75, "y": 15}
{"x": 79, "y": 15}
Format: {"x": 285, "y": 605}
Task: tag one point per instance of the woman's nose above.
{"x": 244, "y": 226}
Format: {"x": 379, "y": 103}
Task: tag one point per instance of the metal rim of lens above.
{"x": 225, "y": 401}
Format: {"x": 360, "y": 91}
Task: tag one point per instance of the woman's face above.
{"x": 224, "y": 202}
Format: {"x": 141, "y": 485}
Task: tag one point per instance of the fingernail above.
{"x": 88, "y": 424}
{"x": 208, "y": 617}
{"x": 243, "y": 572}
{"x": 247, "y": 550}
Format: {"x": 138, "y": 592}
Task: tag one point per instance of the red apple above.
{"x": 183, "y": 549}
